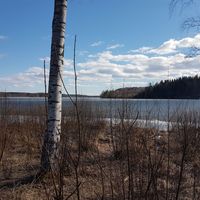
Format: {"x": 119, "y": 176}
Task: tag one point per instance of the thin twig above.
{"x": 72, "y": 193}
{"x": 45, "y": 87}
{"x": 72, "y": 101}
{"x": 78, "y": 123}
{"x": 75, "y": 75}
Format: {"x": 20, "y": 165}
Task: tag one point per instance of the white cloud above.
{"x": 167, "y": 47}
{"x": 142, "y": 67}
{"x": 141, "y": 50}
{"x": 95, "y": 44}
{"x": 138, "y": 67}
{"x": 171, "y": 46}
{"x": 68, "y": 63}
{"x": 114, "y": 46}
{"x": 30, "y": 78}
{"x": 2, "y": 37}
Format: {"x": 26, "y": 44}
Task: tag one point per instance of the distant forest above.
{"x": 181, "y": 88}
{"x": 127, "y": 92}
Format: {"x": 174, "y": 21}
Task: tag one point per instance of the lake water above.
{"x": 151, "y": 109}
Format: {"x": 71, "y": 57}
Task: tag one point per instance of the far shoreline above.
{"x": 37, "y": 94}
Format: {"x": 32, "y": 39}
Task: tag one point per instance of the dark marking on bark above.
{"x": 53, "y": 120}
{"x": 52, "y": 102}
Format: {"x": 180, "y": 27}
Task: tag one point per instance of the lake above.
{"x": 151, "y": 109}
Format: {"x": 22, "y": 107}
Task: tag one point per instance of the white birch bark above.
{"x": 52, "y": 135}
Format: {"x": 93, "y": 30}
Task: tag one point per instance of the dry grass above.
{"x": 118, "y": 162}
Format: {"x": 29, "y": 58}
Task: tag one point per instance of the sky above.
{"x": 120, "y": 43}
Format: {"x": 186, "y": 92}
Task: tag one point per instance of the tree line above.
{"x": 180, "y": 88}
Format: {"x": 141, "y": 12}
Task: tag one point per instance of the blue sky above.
{"x": 119, "y": 42}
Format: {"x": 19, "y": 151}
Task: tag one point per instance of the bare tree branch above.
{"x": 183, "y": 4}
{"x": 191, "y": 23}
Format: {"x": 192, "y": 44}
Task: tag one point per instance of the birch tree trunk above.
{"x": 50, "y": 151}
